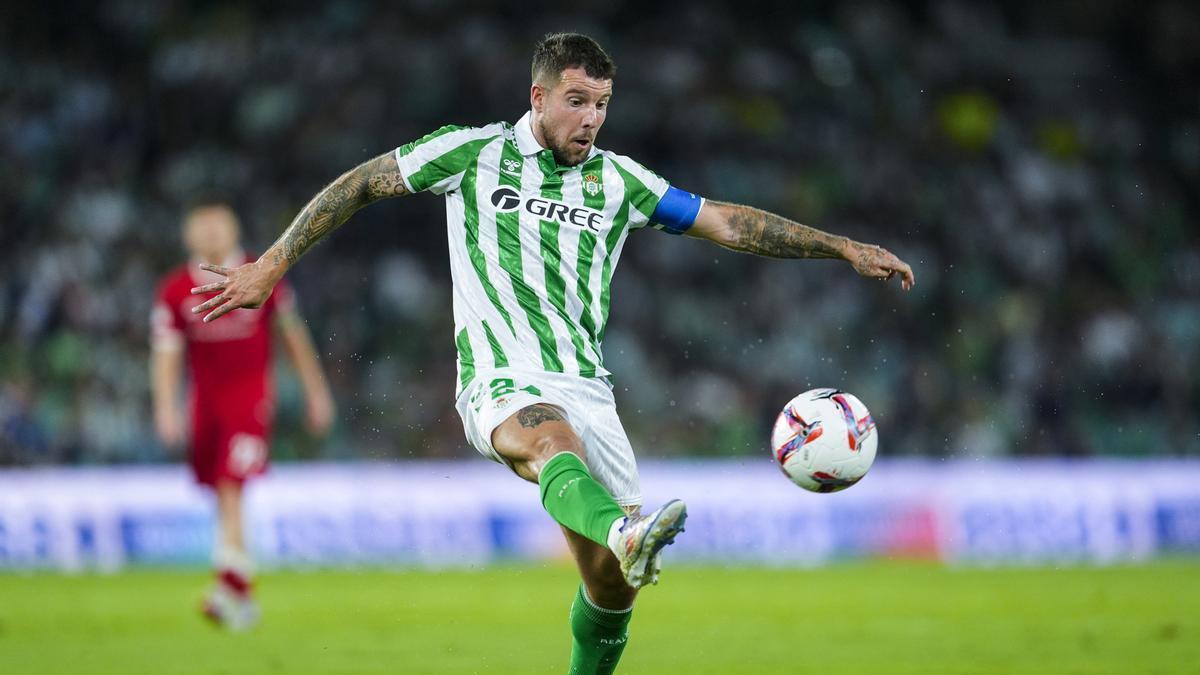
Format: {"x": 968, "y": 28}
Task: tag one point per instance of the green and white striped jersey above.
{"x": 533, "y": 245}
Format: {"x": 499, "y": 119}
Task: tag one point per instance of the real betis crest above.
{"x": 591, "y": 184}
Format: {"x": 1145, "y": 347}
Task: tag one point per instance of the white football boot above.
{"x": 642, "y": 537}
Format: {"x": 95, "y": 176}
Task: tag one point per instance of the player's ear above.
{"x": 537, "y": 97}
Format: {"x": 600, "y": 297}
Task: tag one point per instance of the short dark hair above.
{"x": 559, "y": 51}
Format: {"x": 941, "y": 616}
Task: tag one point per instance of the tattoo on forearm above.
{"x": 537, "y": 413}
{"x": 762, "y": 233}
{"x": 370, "y": 181}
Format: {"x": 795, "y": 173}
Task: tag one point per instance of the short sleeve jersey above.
{"x": 228, "y": 361}
{"x": 533, "y": 245}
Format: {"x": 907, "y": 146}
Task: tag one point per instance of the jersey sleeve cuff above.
{"x": 404, "y": 171}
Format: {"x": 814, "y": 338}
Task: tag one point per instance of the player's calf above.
{"x": 603, "y": 581}
{"x": 602, "y": 608}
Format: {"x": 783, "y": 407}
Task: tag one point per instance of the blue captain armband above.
{"x": 676, "y": 211}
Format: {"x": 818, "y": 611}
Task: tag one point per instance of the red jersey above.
{"x": 229, "y": 360}
{"x": 229, "y": 367}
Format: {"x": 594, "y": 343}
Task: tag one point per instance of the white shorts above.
{"x": 590, "y": 408}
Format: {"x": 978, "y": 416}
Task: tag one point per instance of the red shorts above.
{"x": 230, "y": 447}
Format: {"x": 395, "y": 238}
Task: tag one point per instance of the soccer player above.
{"x": 231, "y": 397}
{"x": 537, "y": 217}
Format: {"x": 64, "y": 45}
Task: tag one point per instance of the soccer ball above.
{"x": 824, "y": 440}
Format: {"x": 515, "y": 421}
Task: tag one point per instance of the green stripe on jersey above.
{"x": 587, "y": 244}
{"x": 636, "y": 192}
{"x": 556, "y": 284}
{"x": 466, "y": 359}
{"x": 471, "y": 226}
{"x": 497, "y": 351}
{"x": 610, "y": 244}
{"x": 508, "y": 238}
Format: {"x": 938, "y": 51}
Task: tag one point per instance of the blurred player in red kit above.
{"x": 230, "y": 392}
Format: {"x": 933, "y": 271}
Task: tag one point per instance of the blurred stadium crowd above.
{"x": 1037, "y": 164}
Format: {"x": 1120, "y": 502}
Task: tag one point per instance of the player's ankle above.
{"x": 614, "y": 534}
{"x": 237, "y": 585}
{"x": 226, "y": 557}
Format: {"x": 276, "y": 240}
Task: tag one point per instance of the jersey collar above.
{"x": 528, "y": 144}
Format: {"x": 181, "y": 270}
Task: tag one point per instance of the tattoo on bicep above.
{"x": 762, "y": 233}
{"x": 534, "y": 415}
{"x": 386, "y": 184}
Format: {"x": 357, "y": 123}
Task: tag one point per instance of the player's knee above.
{"x": 551, "y": 443}
{"x": 527, "y": 456}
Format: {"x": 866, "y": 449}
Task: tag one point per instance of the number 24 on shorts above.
{"x": 503, "y": 386}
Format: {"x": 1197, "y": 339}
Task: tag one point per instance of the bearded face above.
{"x": 569, "y": 113}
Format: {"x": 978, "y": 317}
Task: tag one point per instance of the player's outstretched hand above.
{"x": 247, "y": 286}
{"x": 878, "y": 263}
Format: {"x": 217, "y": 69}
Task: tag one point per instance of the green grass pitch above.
{"x": 878, "y": 618}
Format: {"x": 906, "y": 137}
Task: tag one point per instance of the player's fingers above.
{"x": 907, "y": 278}
{"x": 209, "y": 288}
{"x": 212, "y": 302}
{"x": 223, "y": 271}
{"x": 220, "y": 312}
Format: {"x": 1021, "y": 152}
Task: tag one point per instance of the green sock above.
{"x": 575, "y": 500}
{"x": 598, "y": 636}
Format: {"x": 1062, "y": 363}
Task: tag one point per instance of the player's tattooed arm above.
{"x": 751, "y": 230}
{"x": 375, "y": 179}
{"x": 250, "y": 285}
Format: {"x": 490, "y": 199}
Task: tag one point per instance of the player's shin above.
{"x": 233, "y": 565}
{"x": 598, "y": 636}
{"x": 576, "y": 501}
